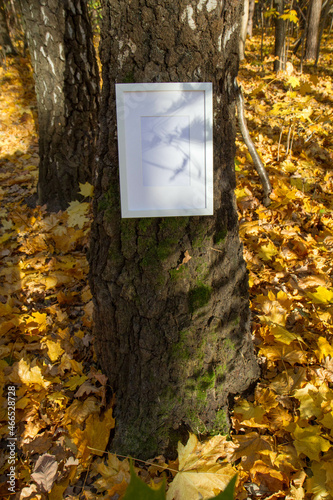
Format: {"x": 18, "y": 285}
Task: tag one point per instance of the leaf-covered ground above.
{"x": 281, "y": 443}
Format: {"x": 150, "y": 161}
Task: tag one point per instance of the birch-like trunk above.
{"x": 67, "y": 87}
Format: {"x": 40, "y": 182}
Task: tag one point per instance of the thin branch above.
{"x": 258, "y": 165}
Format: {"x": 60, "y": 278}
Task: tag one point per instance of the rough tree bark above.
{"x": 312, "y": 34}
{"x": 5, "y": 40}
{"x": 173, "y": 337}
{"x": 280, "y": 37}
{"x": 67, "y": 86}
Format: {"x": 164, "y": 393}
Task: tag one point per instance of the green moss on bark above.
{"x": 220, "y": 424}
{"x": 220, "y": 236}
{"x": 144, "y": 225}
{"x": 181, "y": 349}
{"x": 128, "y": 237}
{"x": 199, "y": 297}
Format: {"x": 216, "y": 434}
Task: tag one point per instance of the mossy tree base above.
{"x": 173, "y": 337}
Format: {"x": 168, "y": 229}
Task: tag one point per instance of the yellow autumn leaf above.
{"x": 7, "y": 224}
{"x": 307, "y": 396}
{"x": 36, "y": 320}
{"x": 54, "y": 350}
{"x": 6, "y": 326}
{"x": 87, "y": 190}
{"x": 36, "y": 281}
{"x": 324, "y": 349}
{"x": 77, "y": 214}
{"x": 67, "y": 363}
{"x": 294, "y": 81}
{"x": 57, "y": 492}
{"x": 327, "y": 421}
{"x": 5, "y": 237}
{"x": 31, "y": 376}
{"x": 283, "y": 335}
{"x": 23, "y": 403}
{"x": 6, "y": 309}
{"x": 266, "y": 398}
{"x": 305, "y": 88}
{"x": 66, "y": 242}
{"x": 94, "y": 438}
{"x": 98, "y": 431}
{"x": 268, "y": 251}
{"x": 249, "y": 411}
{"x": 200, "y": 475}
{"x": 316, "y": 483}
{"x": 75, "y": 382}
{"x": 40, "y": 318}
{"x": 321, "y": 296}
{"x": 113, "y": 472}
{"x": 295, "y": 493}
{"x": 58, "y": 397}
{"x": 310, "y": 442}
{"x": 283, "y": 352}
{"x": 242, "y": 193}
{"x": 48, "y": 281}
{"x": 86, "y": 295}
{"x": 198, "y": 454}
{"x": 327, "y": 464}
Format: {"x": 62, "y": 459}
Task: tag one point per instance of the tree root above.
{"x": 258, "y": 165}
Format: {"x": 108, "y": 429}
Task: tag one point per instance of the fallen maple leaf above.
{"x": 310, "y": 442}
{"x": 31, "y": 375}
{"x": 54, "y": 350}
{"x": 113, "y": 472}
{"x": 307, "y": 396}
{"x": 87, "y": 190}
{"x": 316, "y": 484}
{"x": 200, "y": 475}
{"x": 268, "y": 251}
{"x": 321, "y": 296}
{"x": 324, "y": 349}
{"x": 77, "y": 214}
{"x": 95, "y": 437}
{"x": 283, "y": 335}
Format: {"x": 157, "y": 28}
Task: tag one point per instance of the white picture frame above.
{"x": 165, "y": 147}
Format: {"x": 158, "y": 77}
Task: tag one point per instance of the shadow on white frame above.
{"x": 165, "y": 145}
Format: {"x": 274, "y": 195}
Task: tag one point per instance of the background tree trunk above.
{"x": 250, "y": 20}
{"x": 5, "y": 40}
{"x": 66, "y": 77}
{"x": 312, "y": 35}
{"x": 243, "y": 33}
{"x": 173, "y": 339}
{"x": 326, "y": 8}
{"x": 280, "y": 38}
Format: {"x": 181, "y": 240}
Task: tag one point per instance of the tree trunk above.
{"x": 243, "y": 33}
{"x": 324, "y": 17}
{"x": 67, "y": 87}
{"x": 312, "y": 35}
{"x": 250, "y": 20}
{"x": 280, "y": 38}
{"x": 172, "y": 336}
{"x": 5, "y": 40}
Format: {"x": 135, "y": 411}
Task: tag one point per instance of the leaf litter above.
{"x": 281, "y": 439}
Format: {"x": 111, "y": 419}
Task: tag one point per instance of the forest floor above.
{"x": 281, "y": 443}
